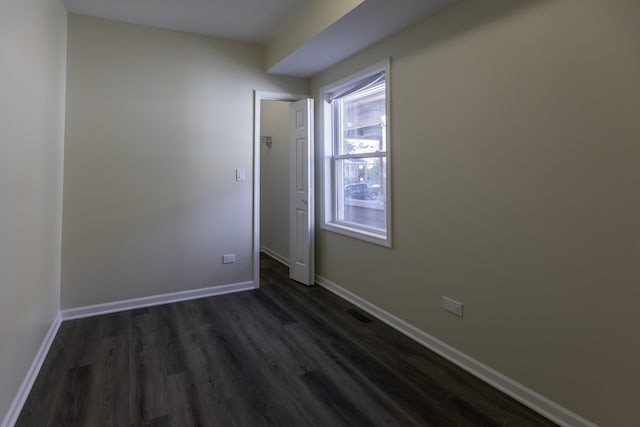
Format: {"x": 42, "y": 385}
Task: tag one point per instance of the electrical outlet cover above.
{"x": 452, "y": 306}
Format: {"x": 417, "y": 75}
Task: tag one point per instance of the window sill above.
{"x": 367, "y": 236}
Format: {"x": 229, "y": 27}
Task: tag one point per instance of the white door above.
{"x": 301, "y": 211}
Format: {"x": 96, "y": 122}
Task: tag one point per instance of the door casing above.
{"x": 259, "y": 96}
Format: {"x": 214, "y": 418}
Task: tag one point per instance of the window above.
{"x": 356, "y": 181}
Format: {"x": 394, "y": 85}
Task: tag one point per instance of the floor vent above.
{"x": 359, "y": 315}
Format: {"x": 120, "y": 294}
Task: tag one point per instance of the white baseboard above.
{"x": 25, "y": 388}
{"x": 522, "y": 394}
{"x": 275, "y": 255}
{"x": 113, "y": 307}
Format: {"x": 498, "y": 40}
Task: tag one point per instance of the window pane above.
{"x": 362, "y": 193}
{"x": 363, "y": 119}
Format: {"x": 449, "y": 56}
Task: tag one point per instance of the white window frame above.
{"x": 328, "y": 182}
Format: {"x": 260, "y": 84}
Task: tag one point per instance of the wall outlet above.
{"x": 452, "y": 306}
{"x": 228, "y": 258}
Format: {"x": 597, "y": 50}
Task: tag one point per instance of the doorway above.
{"x": 274, "y": 232}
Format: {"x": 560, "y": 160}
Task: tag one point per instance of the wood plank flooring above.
{"x": 282, "y": 355}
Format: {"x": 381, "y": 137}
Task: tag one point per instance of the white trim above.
{"x": 327, "y": 198}
{"x": 357, "y": 233}
{"x": 25, "y": 388}
{"x": 275, "y": 255}
{"x": 115, "y": 306}
{"x": 519, "y": 392}
{"x": 258, "y": 96}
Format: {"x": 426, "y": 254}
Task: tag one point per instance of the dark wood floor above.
{"x": 283, "y": 355}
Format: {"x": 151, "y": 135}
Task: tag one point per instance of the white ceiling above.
{"x": 244, "y": 20}
{"x": 259, "y": 21}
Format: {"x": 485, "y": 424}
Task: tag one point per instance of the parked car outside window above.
{"x": 362, "y": 190}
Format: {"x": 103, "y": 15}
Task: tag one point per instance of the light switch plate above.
{"x": 228, "y": 258}
{"x": 240, "y": 175}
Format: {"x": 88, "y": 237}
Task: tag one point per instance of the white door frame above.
{"x": 257, "y": 97}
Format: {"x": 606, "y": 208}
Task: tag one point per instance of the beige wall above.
{"x": 32, "y": 82}
{"x": 516, "y": 152}
{"x": 304, "y": 26}
{"x": 157, "y": 123}
{"x": 274, "y": 178}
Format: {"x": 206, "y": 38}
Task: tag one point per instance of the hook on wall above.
{"x": 266, "y": 140}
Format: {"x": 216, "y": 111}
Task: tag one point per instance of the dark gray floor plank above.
{"x": 285, "y": 355}
{"x": 358, "y": 389}
{"x": 146, "y": 372}
{"x": 75, "y": 393}
{"x": 274, "y": 372}
{"x": 185, "y": 410}
{"x": 251, "y": 395}
{"x": 334, "y": 400}
{"x": 108, "y": 400}
{"x": 264, "y": 338}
